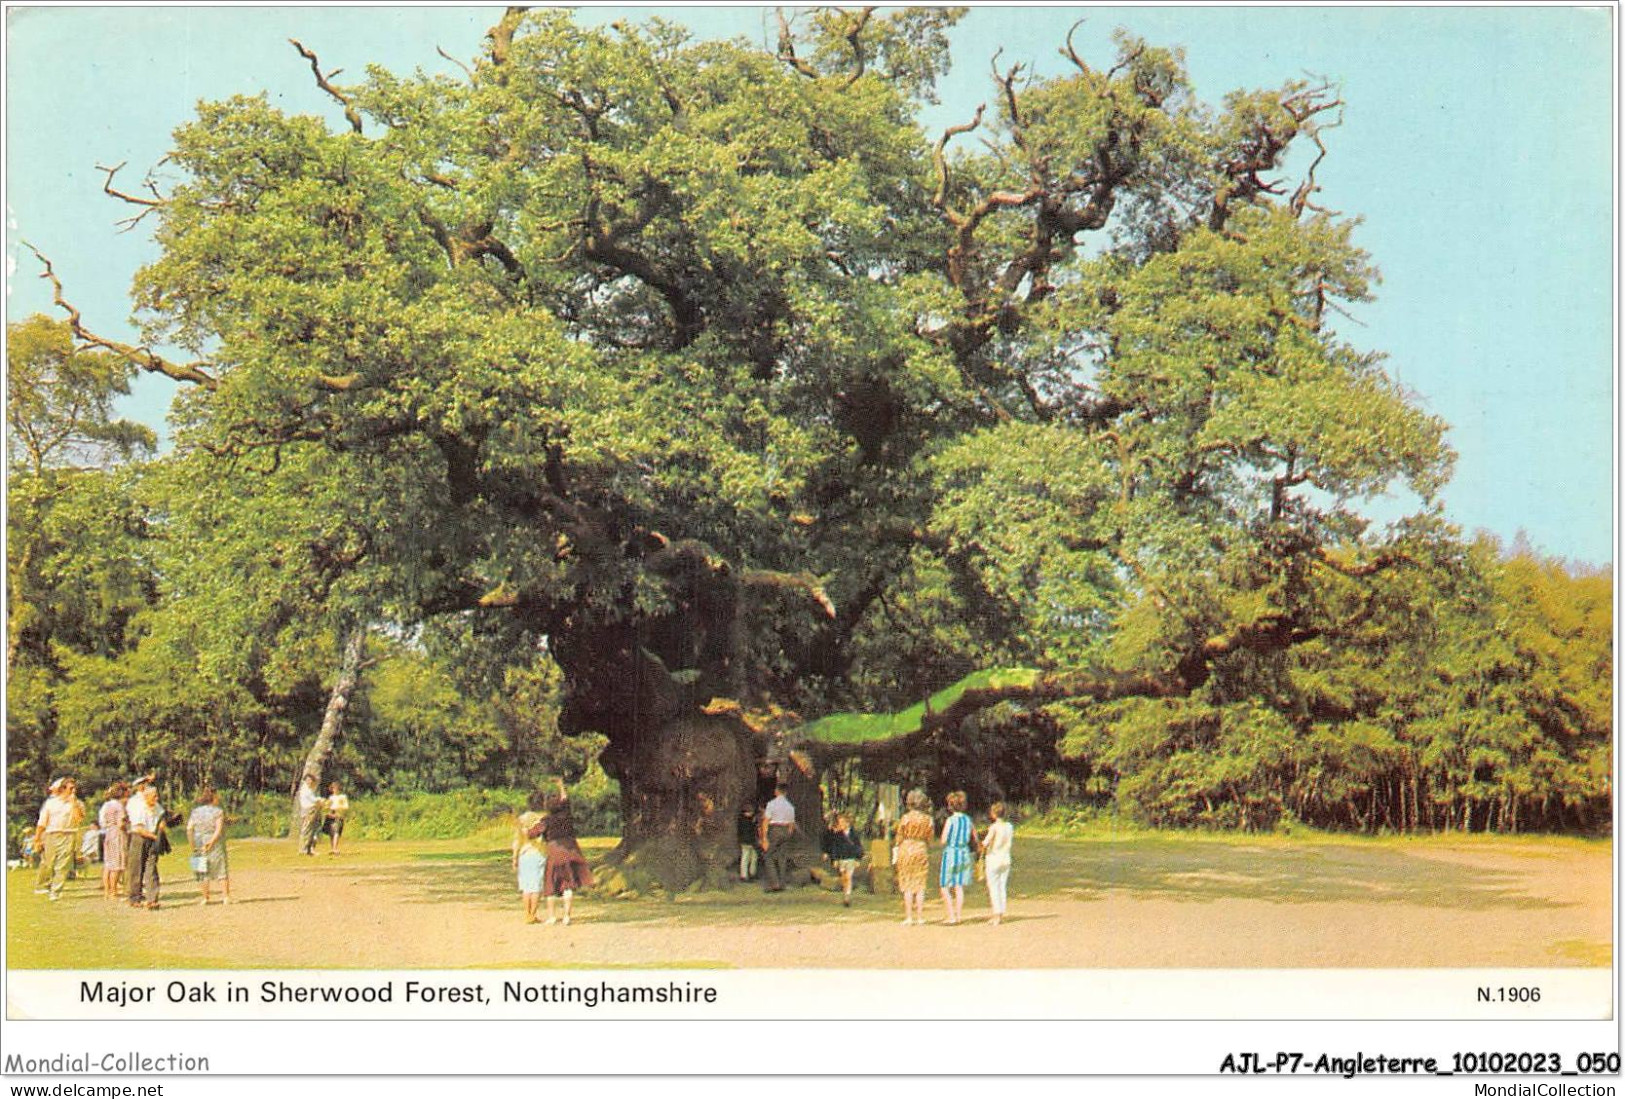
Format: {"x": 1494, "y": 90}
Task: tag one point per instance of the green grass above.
{"x": 74, "y": 933}
{"x": 447, "y": 814}
{"x": 1090, "y": 824}
{"x": 473, "y": 873}
{"x": 1279, "y": 869}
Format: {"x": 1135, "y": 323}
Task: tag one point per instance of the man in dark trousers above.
{"x": 778, "y": 826}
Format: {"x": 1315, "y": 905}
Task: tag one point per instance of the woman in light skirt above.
{"x": 996, "y": 846}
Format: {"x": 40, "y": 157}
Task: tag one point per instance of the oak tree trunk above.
{"x": 682, "y": 785}
{"x": 652, "y": 684}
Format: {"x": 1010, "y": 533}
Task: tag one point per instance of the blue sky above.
{"x": 1477, "y": 148}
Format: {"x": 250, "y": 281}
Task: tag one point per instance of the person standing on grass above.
{"x": 911, "y": 856}
{"x": 996, "y": 844}
{"x": 310, "y": 815}
{"x": 567, "y": 869}
{"x": 530, "y": 854}
{"x": 206, "y": 828}
{"x": 115, "y": 826}
{"x": 146, "y": 818}
{"x": 338, "y": 807}
{"x": 958, "y": 858}
{"x": 778, "y": 828}
{"x": 90, "y": 848}
{"x": 844, "y": 849}
{"x": 55, "y": 835}
{"x": 749, "y": 854}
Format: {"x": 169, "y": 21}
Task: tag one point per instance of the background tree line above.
{"x": 1492, "y": 713}
{"x": 141, "y": 639}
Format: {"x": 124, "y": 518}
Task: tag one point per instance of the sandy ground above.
{"x": 1090, "y": 904}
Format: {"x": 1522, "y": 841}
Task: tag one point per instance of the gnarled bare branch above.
{"x": 1262, "y": 149}
{"x": 141, "y": 357}
{"x": 351, "y": 115}
{"x": 1006, "y": 81}
{"x": 148, "y": 205}
{"x": 939, "y": 157}
{"x": 1070, "y": 52}
{"x": 854, "y": 38}
{"x": 146, "y": 359}
{"x": 787, "y": 48}
{"x": 1301, "y": 198}
{"x": 134, "y": 200}
{"x": 466, "y": 70}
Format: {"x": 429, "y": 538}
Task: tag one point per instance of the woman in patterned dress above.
{"x": 115, "y": 825}
{"x": 911, "y": 857}
{"x": 958, "y": 836}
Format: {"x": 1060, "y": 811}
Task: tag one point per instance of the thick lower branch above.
{"x": 1189, "y": 674}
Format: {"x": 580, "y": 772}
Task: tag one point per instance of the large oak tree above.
{"x": 704, "y": 367}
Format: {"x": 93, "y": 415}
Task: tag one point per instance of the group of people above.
{"x": 962, "y": 844}
{"x": 319, "y": 816}
{"x": 764, "y": 838}
{"x": 130, "y": 834}
{"x": 546, "y": 856}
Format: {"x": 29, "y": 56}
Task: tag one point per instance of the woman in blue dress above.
{"x": 958, "y": 837}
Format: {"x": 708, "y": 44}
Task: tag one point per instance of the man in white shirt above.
{"x": 54, "y": 836}
{"x": 310, "y": 804}
{"x": 146, "y": 816}
{"x": 778, "y": 826}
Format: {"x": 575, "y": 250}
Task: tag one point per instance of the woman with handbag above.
{"x": 206, "y": 828}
